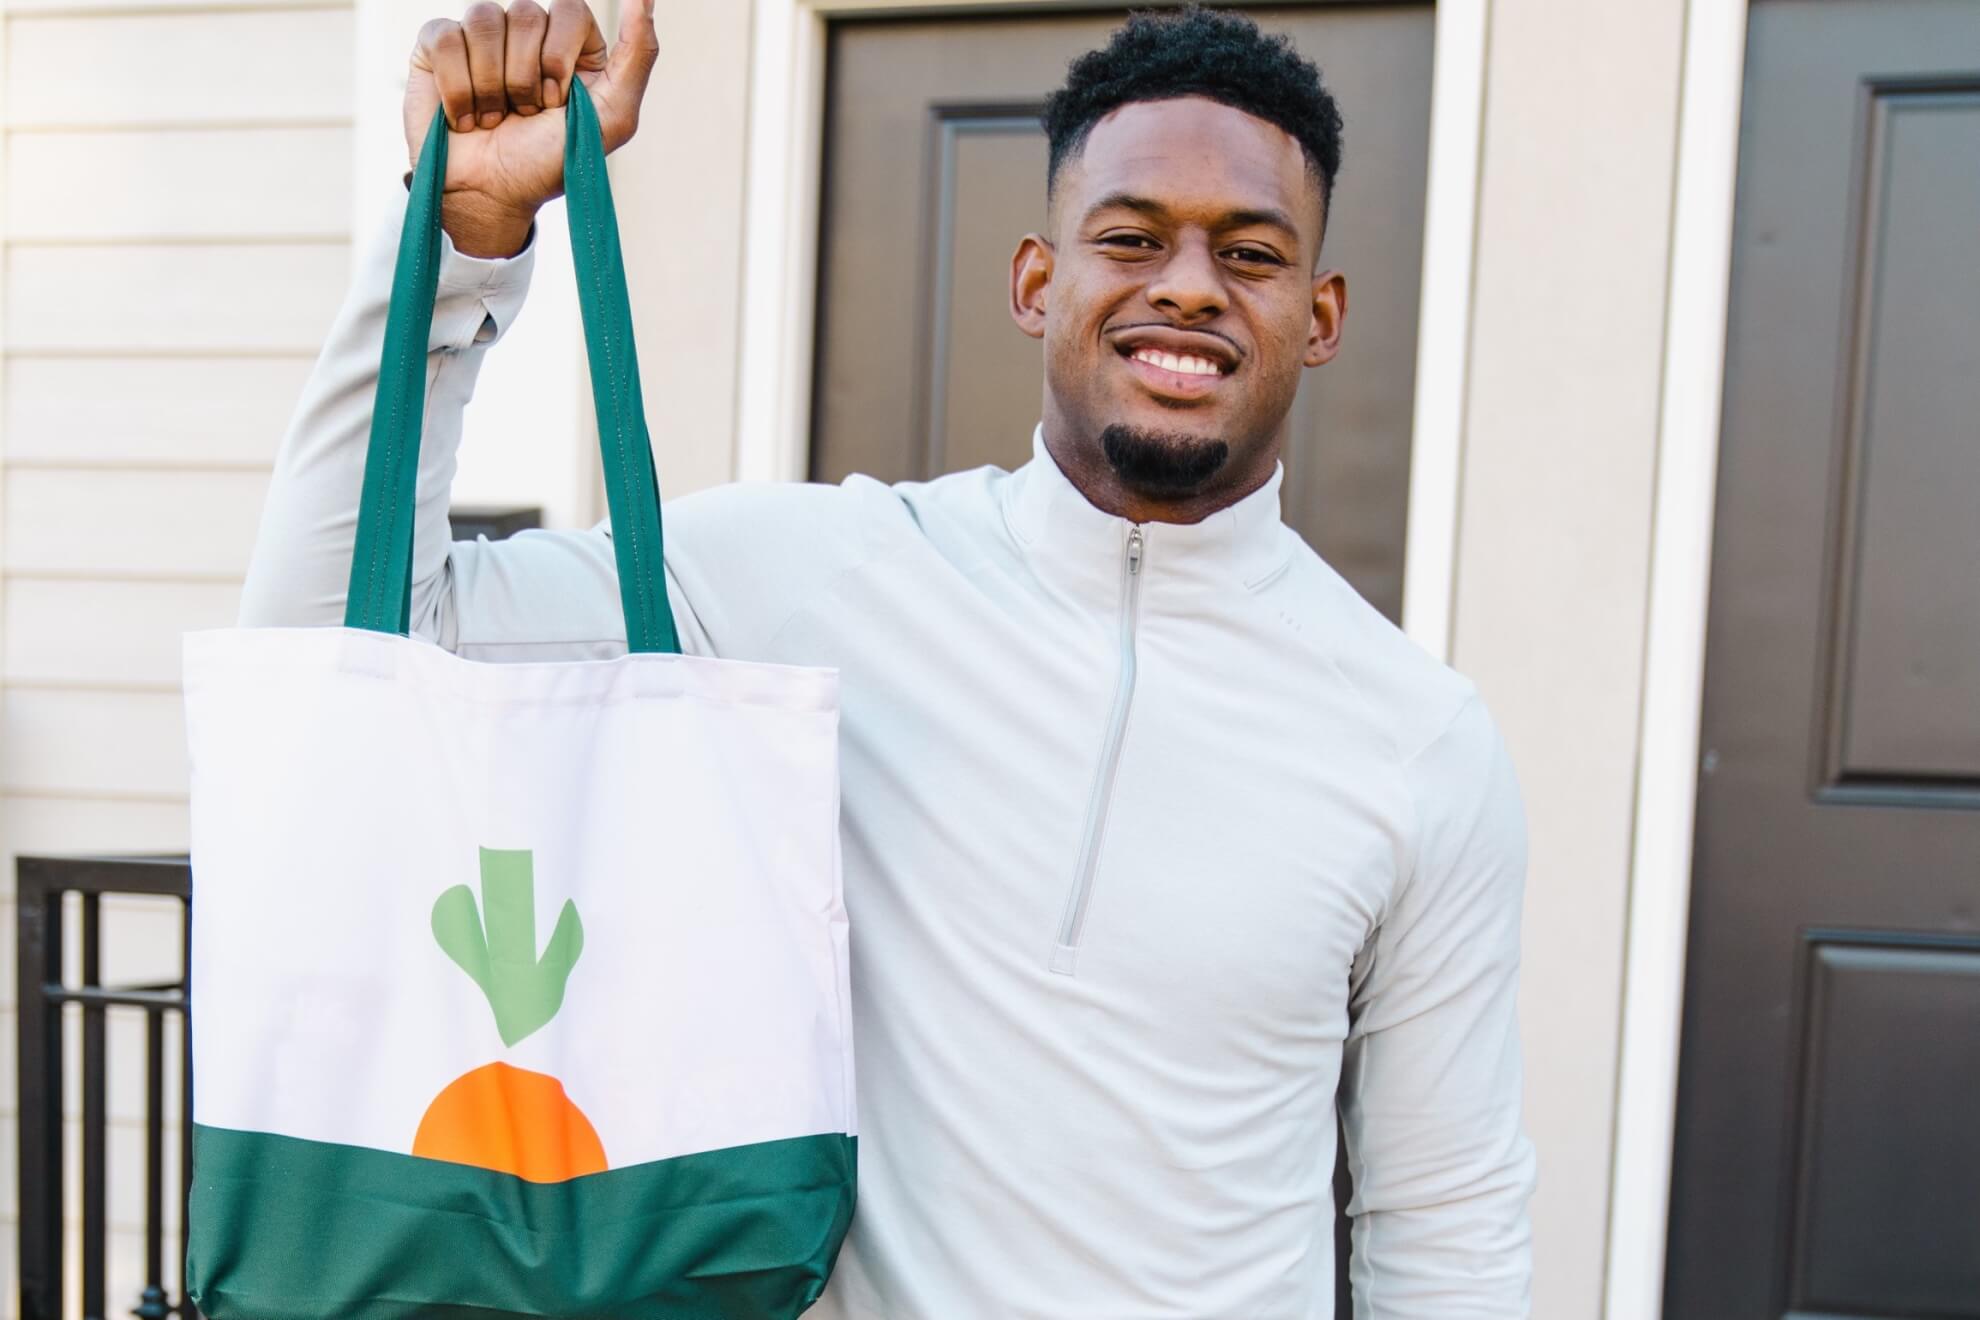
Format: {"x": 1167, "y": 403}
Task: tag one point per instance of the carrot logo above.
{"x": 500, "y": 1117}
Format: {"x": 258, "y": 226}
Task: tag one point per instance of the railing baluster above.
{"x": 152, "y": 1305}
{"x": 95, "y": 1116}
{"x": 38, "y": 965}
{"x": 187, "y": 1311}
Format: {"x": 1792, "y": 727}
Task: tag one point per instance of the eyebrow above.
{"x": 1154, "y": 210}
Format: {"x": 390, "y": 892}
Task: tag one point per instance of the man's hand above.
{"x": 503, "y": 79}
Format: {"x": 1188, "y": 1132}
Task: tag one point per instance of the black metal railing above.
{"x": 48, "y": 888}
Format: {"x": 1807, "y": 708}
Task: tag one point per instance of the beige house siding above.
{"x": 175, "y": 239}
{"x": 1554, "y": 539}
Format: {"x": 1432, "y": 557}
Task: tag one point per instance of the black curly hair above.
{"x": 1193, "y": 51}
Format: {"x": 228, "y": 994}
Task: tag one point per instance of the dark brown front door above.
{"x": 1828, "y": 1134}
{"x": 935, "y": 167}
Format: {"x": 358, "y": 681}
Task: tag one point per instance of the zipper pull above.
{"x": 1134, "y": 551}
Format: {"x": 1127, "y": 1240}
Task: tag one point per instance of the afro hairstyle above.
{"x": 1193, "y": 51}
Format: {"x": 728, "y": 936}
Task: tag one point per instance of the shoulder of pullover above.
{"x": 1407, "y": 691}
{"x": 750, "y": 556}
{"x": 960, "y": 515}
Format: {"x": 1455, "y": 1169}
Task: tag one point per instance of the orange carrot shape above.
{"x": 500, "y": 1117}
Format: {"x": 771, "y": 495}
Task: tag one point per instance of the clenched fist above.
{"x": 503, "y": 78}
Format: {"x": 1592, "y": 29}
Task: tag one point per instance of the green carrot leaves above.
{"x": 524, "y": 990}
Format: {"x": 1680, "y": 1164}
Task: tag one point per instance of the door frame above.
{"x": 1696, "y": 297}
{"x": 780, "y": 265}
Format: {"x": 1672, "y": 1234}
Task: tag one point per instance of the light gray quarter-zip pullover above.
{"x": 1154, "y": 835}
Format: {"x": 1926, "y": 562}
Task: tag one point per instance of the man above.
{"x": 1153, "y": 830}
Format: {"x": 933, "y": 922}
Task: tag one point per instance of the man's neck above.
{"x": 1095, "y": 478}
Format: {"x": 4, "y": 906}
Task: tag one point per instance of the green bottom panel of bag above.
{"x": 286, "y": 1229}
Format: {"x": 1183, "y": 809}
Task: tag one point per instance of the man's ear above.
{"x": 1323, "y": 334}
{"x": 1031, "y": 277}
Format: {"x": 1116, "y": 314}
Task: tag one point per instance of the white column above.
{"x": 1674, "y": 660}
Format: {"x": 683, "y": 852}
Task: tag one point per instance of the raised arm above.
{"x": 1441, "y": 1164}
{"x": 503, "y": 79}
{"x": 302, "y": 556}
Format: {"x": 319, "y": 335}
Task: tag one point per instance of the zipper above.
{"x": 1067, "y": 949}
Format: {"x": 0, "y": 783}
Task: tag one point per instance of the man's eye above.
{"x": 1255, "y": 255}
{"x": 1128, "y": 240}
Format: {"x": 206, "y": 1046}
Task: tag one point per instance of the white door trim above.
{"x": 780, "y": 262}
{"x": 1443, "y": 335}
{"x": 1674, "y": 671}
{"x": 780, "y": 238}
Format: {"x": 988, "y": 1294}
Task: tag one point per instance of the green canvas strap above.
{"x": 381, "y": 568}
{"x": 632, "y": 493}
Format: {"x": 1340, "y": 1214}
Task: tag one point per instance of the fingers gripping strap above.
{"x": 381, "y": 567}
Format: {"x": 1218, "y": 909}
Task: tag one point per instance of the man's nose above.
{"x": 1189, "y": 286}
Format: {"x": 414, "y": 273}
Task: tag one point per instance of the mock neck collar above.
{"x": 1240, "y": 545}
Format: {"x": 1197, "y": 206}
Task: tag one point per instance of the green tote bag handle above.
{"x": 381, "y": 569}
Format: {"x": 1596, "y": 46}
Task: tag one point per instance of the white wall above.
{"x": 174, "y": 241}
{"x": 678, "y": 186}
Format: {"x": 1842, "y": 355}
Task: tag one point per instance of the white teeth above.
{"x": 1184, "y": 363}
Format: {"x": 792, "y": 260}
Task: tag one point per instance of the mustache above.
{"x": 1171, "y": 325}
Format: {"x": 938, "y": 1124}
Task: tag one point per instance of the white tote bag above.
{"x": 519, "y": 989}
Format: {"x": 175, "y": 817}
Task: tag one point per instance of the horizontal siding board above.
{"x": 161, "y": 411}
{"x": 176, "y": 226}
{"x": 120, "y": 7}
{"x": 131, "y": 524}
{"x": 50, "y": 823}
{"x": 82, "y": 743}
{"x": 179, "y": 183}
{"x": 159, "y": 296}
{"x": 141, "y": 943}
{"x": 194, "y": 67}
{"x": 124, "y": 1167}
{"x": 107, "y": 632}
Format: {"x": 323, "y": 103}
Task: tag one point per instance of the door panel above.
{"x": 990, "y": 165}
{"x": 935, "y": 167}
{"x": 1828, "y": 1158}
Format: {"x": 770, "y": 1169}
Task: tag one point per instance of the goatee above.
{"x": 1162, "y": 462}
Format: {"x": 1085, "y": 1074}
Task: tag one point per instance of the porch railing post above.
{"x": 39, "y": 942}
{"x": 46, "y": 989}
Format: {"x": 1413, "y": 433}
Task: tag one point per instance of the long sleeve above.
{"x": 1442, "y": 1166}
{"x": 538, "y": 595}
{"x": 300, "y": 568}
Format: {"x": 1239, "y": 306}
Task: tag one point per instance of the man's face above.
{"x": 1176, "y": 297}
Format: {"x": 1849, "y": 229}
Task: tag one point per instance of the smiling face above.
{"x": 1178, "y": 303}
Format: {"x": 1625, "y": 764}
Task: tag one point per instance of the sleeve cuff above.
{"x": 478, "y": 298}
